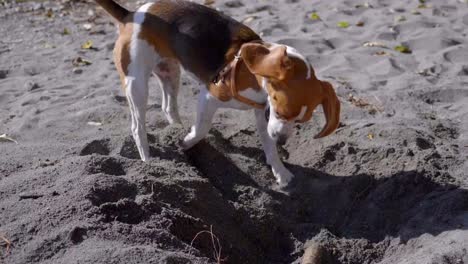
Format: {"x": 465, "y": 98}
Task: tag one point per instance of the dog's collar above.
{"x": 232, "y": 69}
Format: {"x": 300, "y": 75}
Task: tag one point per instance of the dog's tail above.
{"x": 331, "y": 108}
{"x": 114, "y": 9}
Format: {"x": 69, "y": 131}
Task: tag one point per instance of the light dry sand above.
{"x": 390, "y": 186}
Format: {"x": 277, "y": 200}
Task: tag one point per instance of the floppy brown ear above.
{"x": 271, "y": 63}
{"x": 331, "y": 109}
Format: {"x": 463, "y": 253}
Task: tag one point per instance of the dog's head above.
{"x": 293, "y": 90}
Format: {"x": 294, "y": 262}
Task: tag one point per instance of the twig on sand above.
{"x": 4, "y": 242}
{"x": 353, "y": 203}
{"x": 30, "y": 196}
{"x": 215, "y": 242}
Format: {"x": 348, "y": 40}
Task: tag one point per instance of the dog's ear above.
{"x": 271, "y": 63}
{"x": 331, "y": 109}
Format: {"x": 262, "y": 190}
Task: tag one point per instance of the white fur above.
{"x": 294, "y": 53}
{"x": 143, "y": 58}
{"x": 207, "y": 106}
{"x": 278, "y": 127}
{"x": 302, "y": 113}
{"x": 169, "y": 82}
{"x": 283, "y": 176}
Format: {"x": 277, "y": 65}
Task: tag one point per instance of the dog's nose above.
{"x": 267, "y": 114}
{"x": 282, "y": 140}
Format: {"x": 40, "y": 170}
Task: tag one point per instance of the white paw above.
{"x": 189, "y": 140}
{"x": 283, "y": 176}
{"x": 144, "y": 155}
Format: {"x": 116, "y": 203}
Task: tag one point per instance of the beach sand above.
{"x": 389, "y": 186}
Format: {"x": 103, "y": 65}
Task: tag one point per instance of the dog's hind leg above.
{"x": 168, "y": 73}
{"x": 135, "y": 59}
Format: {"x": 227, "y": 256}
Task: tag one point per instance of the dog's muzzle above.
{"x": 267, "y": 113}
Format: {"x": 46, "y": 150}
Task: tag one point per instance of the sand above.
{"x": 390, "y": 186}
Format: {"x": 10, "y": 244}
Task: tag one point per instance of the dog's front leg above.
{"x": 283, "y": 176}
{"x": 207, "y": 107}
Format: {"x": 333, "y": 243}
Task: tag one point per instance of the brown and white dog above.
{"x": 239, "y": 69}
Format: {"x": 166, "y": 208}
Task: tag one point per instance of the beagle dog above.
{"x": 239, "y": 69}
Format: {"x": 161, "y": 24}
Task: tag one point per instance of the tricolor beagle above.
{"x": 239, "y": 69}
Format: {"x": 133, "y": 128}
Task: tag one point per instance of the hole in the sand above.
{"x": 129, "y": 149}
{"x": 106, "y": 189}
{"x": 100, "y": 147}
{"x": 125, "y": 211}
{"x": 106, "y": 165}
{"x": 78, "y": 234}
{"x": 177, "y": 260}
{"x": 357, "y": 212}
{"x": 423, "y": 143}
{"x": 446, "y": 132}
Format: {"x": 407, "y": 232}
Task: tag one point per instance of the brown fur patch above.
{"x": 155, "y": 31}
{"x": 244, "y": 80}
{"x": 122, "y": 51}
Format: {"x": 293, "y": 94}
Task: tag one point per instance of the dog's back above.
{"x": 203, "y": 39}
{"x": 200, "y": 38}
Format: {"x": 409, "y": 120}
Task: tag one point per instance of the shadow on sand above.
{"x": 406, "y": 204}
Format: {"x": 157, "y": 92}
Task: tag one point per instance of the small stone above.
{"x": 313, "y": 255}
{"x": 77, "y": 71}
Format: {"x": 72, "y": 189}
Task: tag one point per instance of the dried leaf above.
{"x": 400, "y": 18}
{"x": 359, "y": 102}
{"x": 49, "y": 46}
{"x": 403, "y": 49}
{"x": 66, "y": 31}
{"x": 370, "y": 136}
{"x": 382, "y": 53}
{"x": 6, "y": 243}
{"x": 92, "y": 123}
{"x": 81, "y": 62}
{"x": 49, "y": 13}
{"x": 87, "y": 45}
{"x": 365, "y": 104}
{"x": 87, "y": 26}
{"x": 374, "y": 44}
{"x": 209, "y": 2}
{"x": 343, "y": 24}
{"x": 5, "y": 138}
{"x": 249, "y": 19}
{"x": 314, "y": 16}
